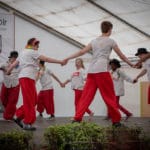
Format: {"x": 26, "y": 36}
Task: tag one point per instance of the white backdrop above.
{"x": 53, "y": 46}
{"x": 6, "y": 36}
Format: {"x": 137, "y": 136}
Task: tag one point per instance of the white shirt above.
{"x": 118, "y": 77}
{"x": 101, "y": 48}
{"x": 28, "y": 60}
{"x": 12, "y": 79}
{"x": 45, "y": 79}
{"x": 77, "y": 79}
{"x": 146, "y": 66}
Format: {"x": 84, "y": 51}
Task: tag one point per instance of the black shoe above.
{"x": 76, "y": 121}
{"x": 28, "y": 127}
{"x": 41, "y": 115}
{"x": 18, "y": 122}
{"x": 127, "y": 117}
{"x": 117, "y": 124}
{"x": 51, "y": 118}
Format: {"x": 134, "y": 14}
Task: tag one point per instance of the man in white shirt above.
{"x": 98, "y": 75}
{"x": 142, "y": 53}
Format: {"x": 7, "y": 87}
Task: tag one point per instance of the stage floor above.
{"x": 42, "y": 123}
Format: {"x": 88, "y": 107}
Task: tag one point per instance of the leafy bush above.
{"x": 83, "y": 136}
{"x": 90, "y": 136}
{"x": 124, "y": 138}
{"x": 15, "y": 140}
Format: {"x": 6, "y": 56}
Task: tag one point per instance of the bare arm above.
{"x": 13, "y": 65}
{"x": 57, "y": 79}
{"x": 37, "y": 76}
{"x": 50, "y": 60}
{"x": 67, "y": 81}
{"x": 121, "y": 55}
{"x": 142, "y": 73}
{"x": 80, "y": 52}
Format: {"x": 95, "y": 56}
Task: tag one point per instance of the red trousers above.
{"x": 9, "y": 98}
{"x": 125, "y": 111}
{"x": 46, "y": 101}
{"x": 149, "y": 94}
{"x": 78, "y": 94}
{"x": 27, "y": 111}
{"x": 104, "y": 83}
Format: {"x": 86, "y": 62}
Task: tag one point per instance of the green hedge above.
{"x": 15, "y": 140}
{"x": 90, "y": 136}
{"x": 75, "y": 136}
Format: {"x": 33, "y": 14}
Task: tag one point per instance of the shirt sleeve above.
{"x": 35, "y": 54}
{"x": 2, "y": 65}
{"x": 49, "y": 71}
{"x": 84, "y": 74}
{"x": 114, "y": 43}
{"x": 125, "y": 76}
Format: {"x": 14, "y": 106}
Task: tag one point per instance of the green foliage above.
{"x": 15, "y": 140}
{"x": 83, "y": 136}
{"x": 90, "y": 136}
{"x": 124, "y": 138}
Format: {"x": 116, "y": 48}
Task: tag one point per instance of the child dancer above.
{"x": 28, "y": 60}
{"x": 98, "y": 75}
{"x": 10, "y": 88}
{"x": 46, "y": 94}
{"x": 77, "y": 83}
{"x": 144, "y": 58}
{"x": 143, "y": 54}
{"x": 118, "y": 77}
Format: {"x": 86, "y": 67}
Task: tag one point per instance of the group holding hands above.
{"x": 98, "y": 77}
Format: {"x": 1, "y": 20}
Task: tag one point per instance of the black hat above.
{"x": 116, "y": 62}
{"x": 13, "y": 54}
{"x": 141, "y": 51}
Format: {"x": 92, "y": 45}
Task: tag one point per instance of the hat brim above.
{"x": 140, "y": 53}
{"x": 136, "y": 54}
{"x": 12, "y": 56}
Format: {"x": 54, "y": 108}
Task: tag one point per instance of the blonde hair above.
{"x": 81, "y": 60}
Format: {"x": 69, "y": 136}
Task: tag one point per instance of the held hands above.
{"x": 138, "y": 65}
{"x": 62, "y": 85}
{"x": 135, "y": 80}
{"x": 64, "y": 62}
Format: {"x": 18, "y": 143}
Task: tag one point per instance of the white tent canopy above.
{"x": 80, "y": 19}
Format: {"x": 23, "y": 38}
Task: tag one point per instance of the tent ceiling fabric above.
{"x": 80, "y": 20}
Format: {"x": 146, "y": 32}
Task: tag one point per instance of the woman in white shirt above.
{"x": 77, "y": 80}
{"x": 28, "y": 60}
{"x": 144, "y": 56}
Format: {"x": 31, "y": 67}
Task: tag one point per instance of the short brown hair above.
{"x": 33, "y": 42}
{"x": 106, "y": 26}
{"x": 30, "y": 41}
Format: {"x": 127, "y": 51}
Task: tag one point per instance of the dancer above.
{"x": 46, "y": 94}
{"x": 144, "y": 58}
{"x": 28, "y": 60}
{"x": 143, "y": 54}
{"x": 77, "y": 83}
{"x": 10, "y": 87}
{"x": 118, "y": 76}
{"x": 98, "y": 75}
